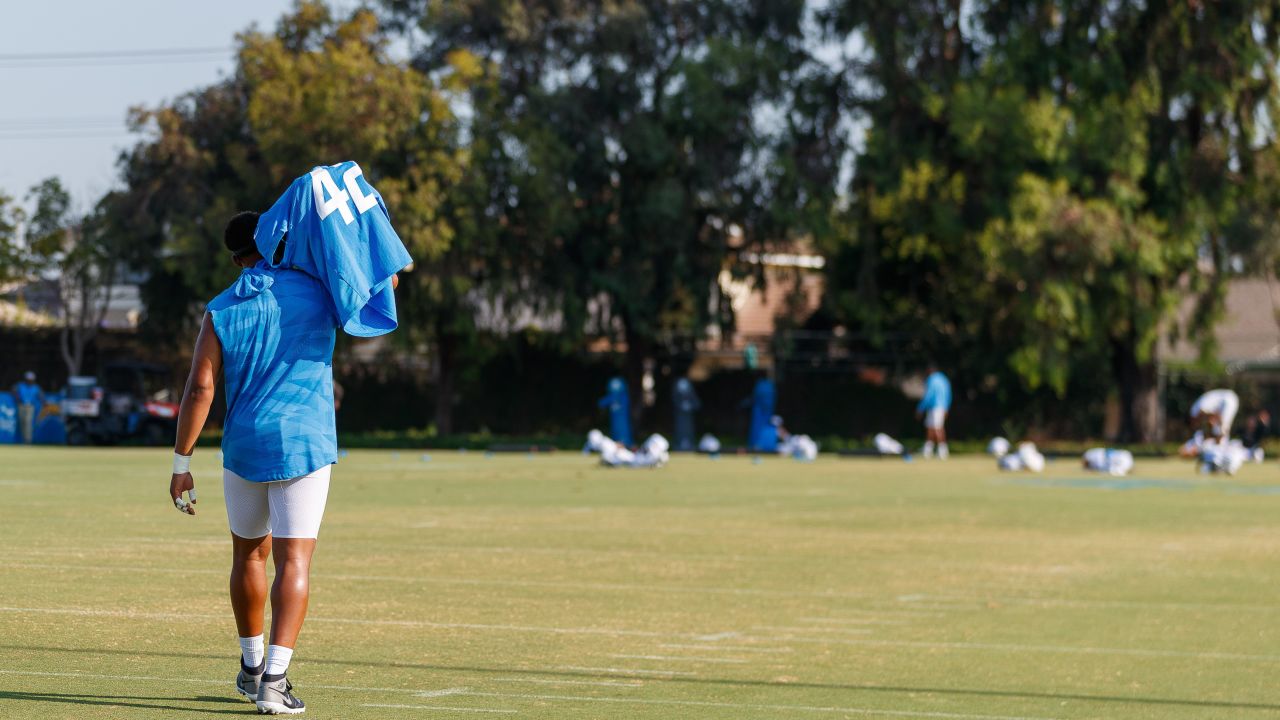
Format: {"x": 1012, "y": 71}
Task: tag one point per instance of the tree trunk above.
{"x": 1138, "y": 382}
{"x": 73, "y": 357}
{"x": 638, "y": 350}
{"x": 447, "y": 367}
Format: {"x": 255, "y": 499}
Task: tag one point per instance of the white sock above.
{"x": 943, "y": 452}
{"x": 251, "y": 651}
{"x": 928, "y": 448}
{"x": 278, "y": 657}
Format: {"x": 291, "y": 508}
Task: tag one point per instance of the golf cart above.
{"x": 132, "y": 403}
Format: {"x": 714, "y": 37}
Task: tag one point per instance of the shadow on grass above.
{"x": 128, "y": 701}
{"x": 730, "y": 682}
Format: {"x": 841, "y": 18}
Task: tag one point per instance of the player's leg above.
{"x": 940, "y": 434}
{"x": 1227, "y": 418}
{"x": 27, "y": 422}
{"x": 930, "y": 433}
{"x": 297, "y": 507}
{"x": 249, "y": 583}
{"x": 247, "y": 516}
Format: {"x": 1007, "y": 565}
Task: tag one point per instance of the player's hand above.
{"x": 178, "y": 484}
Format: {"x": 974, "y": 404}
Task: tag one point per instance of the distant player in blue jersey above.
{"x": 271, "y": 334}
{"x": 30, "y": 400}
{"x": 933, "y": 408}
{"x": 762, "y": 436}
{"x": 618, "y": 402}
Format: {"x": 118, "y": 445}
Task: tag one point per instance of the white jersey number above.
{"x": 322, "y": 184}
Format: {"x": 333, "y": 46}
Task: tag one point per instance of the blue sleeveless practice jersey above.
{"x": 340, "y": 233}
{"x": 277, "y": 331}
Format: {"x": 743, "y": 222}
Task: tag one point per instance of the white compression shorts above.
{"x": 934, "y": 418}
{"x": 283, "y": 508}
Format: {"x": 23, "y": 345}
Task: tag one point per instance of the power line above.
{"x": 113, "y": 57}
{"x": 98, "y": 54}
{"x": 39, "y": 123}
{"x": 78, "y": 135}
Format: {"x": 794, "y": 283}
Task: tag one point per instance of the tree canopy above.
{"x": 1026, "y": 190}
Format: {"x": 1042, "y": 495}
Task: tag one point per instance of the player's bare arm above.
{"x": 197, "y": 398}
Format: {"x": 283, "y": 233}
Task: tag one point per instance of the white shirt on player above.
{"x": 1221, "y": 402}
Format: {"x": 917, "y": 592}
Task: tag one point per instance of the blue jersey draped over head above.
{"x": 340, "y": 233}
{"x": 277, "y": 331}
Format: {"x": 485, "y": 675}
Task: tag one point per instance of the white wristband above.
{"x": 181, "y": 464}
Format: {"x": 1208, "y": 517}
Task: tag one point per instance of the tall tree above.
{"x": 83, "y": 261}
{"x": 324, "y": 89}
{"x": 11, "y": 220}
{"x": 321, "y": 88}
{"x": 635, "y": 146}
{"x": 1041, "y": 180}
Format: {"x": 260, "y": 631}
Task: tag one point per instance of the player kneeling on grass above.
{"x": 271, "y": 334}
{"x": 1108, "y": 460}
{"x": 1226, "y": 456}
{"x": 1026, "y": 458}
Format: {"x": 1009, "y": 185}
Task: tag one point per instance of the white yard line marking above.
{"x": 719, "y": 636}
{"x": 436, "y": 580}
{"x": 898, "y": 611}
{"x": 1016, "y": 648}
{"x": 792, "y": 628}
{"x": 726, "y": 648}
{"x": 135, "y": 615}
{"x": 679, "y": 657}
{"x": 95, "y": 676}
{"x": 750, "y": 706}
{"x": 1090, "y": 604}
{"x": 442, "y": 693}
{"x": 1002, "y": 647}
{"x": 917, "y": 605}
{"x": 599, "y": 683}
{"x": 625, "y": 671}
{"x": 438, "y": 707}
{"x": 853, "y": 621}
{"x": 149, "y": 678}
{"x": 144, "y": 543}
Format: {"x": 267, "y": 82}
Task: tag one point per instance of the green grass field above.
{"x": 545, "y": 587}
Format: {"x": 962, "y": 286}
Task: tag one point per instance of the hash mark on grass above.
{"x": 599, "y": 683}
{"x": 625, "y": 671}
{"x": 443, "y": 708}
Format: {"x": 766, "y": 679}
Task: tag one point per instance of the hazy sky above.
{"x": 64, "y": 116}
